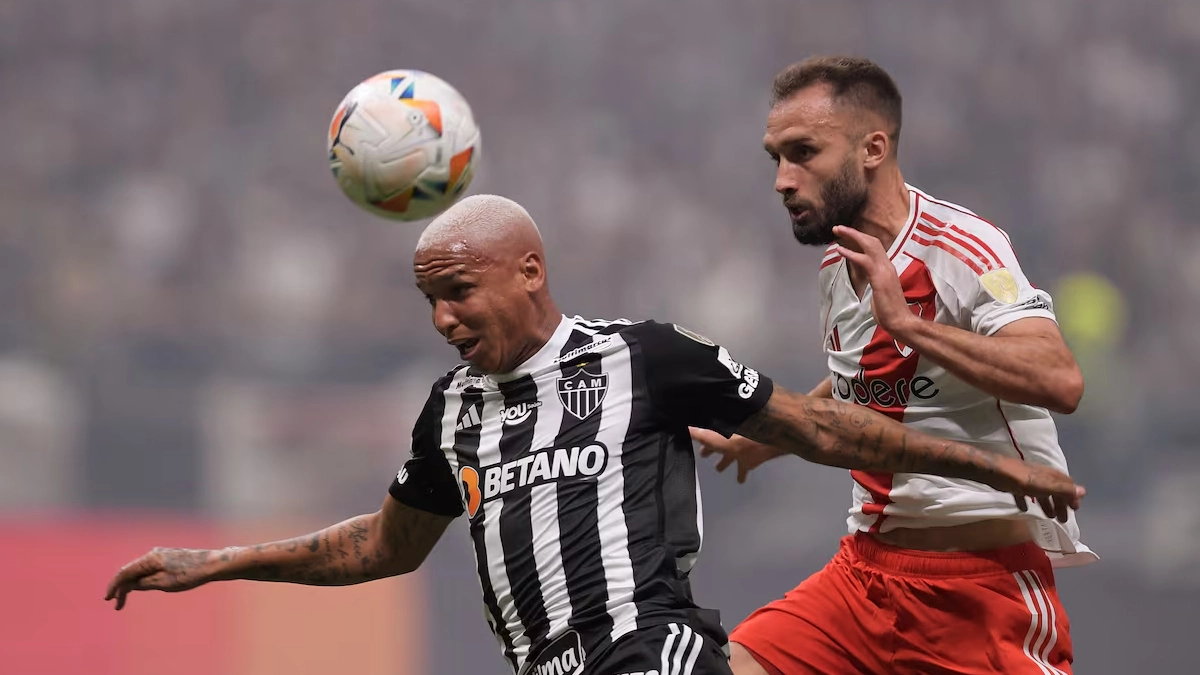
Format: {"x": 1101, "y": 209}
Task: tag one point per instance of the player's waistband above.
{"x": 864, "y": 548}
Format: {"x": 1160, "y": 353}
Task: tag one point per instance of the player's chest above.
{"x": 558, "y": 430}
{"x": 854, "y": 340}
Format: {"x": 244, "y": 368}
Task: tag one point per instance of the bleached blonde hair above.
{"x": 480, "y": 219}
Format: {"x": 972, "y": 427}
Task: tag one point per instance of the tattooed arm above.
{"x": 394, "y": 540}
{"x": 748, "y": 453}
{"x": 841, "y": 434}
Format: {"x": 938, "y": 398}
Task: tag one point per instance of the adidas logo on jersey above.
{"x": 471, "y": 418}
{"x": 512, "y": 415}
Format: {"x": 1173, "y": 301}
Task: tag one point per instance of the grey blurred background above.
{"x": 194, "y": 320}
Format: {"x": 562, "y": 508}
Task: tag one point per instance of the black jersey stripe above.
{"x": 466, "y": 444}
{"x": 645, "y": 513}
{"x": 516, "y": 527}
{"x": 491, "y": 518}
{"x": 578, "y": 506}
{"x": 615, "y": 415}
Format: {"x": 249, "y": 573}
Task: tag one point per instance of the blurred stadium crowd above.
{"x": 192, "y": 318}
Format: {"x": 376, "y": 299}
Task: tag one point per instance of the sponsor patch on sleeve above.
{"x": 1001, "y": 285}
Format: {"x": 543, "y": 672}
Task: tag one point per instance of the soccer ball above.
{"x": 403, "y": 145}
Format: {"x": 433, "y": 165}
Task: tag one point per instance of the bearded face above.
{"x": 840, "y": 201}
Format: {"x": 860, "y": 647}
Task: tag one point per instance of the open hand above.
{"x": 162, "y": 569}
{"x": 1054, "y": 490}
{"x": 887, "y": 295}
{"x": 747, "y": 453}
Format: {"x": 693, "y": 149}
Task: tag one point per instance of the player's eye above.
{"x": 774, "y": 157}
{"x": 801, "y": 153}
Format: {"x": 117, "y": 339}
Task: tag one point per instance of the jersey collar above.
{"x": 913, "y": 209}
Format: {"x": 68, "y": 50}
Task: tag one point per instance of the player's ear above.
{"x": 876, "y": 147}
{"x": 533, "y": 270}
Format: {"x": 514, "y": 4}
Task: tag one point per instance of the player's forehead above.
{"x": 811, "y": 113}
{"x": 448, "y": 263}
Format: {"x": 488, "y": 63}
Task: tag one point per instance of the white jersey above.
{"x": 960, "y": 270}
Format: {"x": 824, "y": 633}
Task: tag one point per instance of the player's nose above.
{"x": 785, "y": 179}
{"x": 444, "y": 318}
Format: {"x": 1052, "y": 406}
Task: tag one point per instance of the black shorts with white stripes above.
{"x": 669, "y": 649}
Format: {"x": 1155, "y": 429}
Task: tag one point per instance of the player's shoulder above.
{"x": 600, "y": 327}
{"x": 663, "y": 342}
{"x": 664, "y": 331}
{"x": 944, "y": 235}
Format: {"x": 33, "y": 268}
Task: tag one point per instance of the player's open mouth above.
{"x": 467, "y": 348}
{"x": 798, "y": 214}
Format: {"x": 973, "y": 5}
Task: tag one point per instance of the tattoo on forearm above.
{"x": 845, "y": 435}
{"x": 357, "y": 550}
{"x": 320, "y": 563}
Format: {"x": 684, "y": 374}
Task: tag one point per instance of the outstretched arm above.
{"x": 747, "y": 453}
{"x": 394, "y": 540}
{"x": 852, "y": 437}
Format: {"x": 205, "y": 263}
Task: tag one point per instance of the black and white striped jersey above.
{"x": 578, "y": 476}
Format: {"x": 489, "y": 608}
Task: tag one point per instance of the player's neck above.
{"x": 546, "y": 321}
{"x": 887, "y": 208}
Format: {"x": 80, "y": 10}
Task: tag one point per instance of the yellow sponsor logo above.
{"x": 1001, "y": 285}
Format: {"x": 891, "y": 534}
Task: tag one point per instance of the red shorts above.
{"x": 877, "y": 609}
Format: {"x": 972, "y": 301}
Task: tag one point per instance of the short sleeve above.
{"x": 1004, "y": 295}
{"x": 695, "y": 382}
{"x": 426, "y": 482}
{"x": 987, "y": 281}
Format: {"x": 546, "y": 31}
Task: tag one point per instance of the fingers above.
{"x": 111, "y": 591}
{"x": 126, "y": 574}
{"x": 726, "y": 460}
{"x": 128, "y": 578}
{"x": 1067, "y": 502}
{"x": 731, "y": 450}
{"x": 870, "y": 246}
{"x": 710, "y": 441}
{"x": 1049, "y": 506}
{"x": 124, "y": 591}
{"x": 1058, "y": 508}
{"x": 1063, "y": 510}
{"x": 843, "y": 232}
{"x": 1055, "y": 493}
{"x": 857, "y": 259}
{"x": 1021, "y": 501}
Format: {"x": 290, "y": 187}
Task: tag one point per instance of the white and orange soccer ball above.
{"x": 403, "y": 145}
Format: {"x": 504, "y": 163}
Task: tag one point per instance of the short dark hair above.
{"x": 860, "y": 82}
